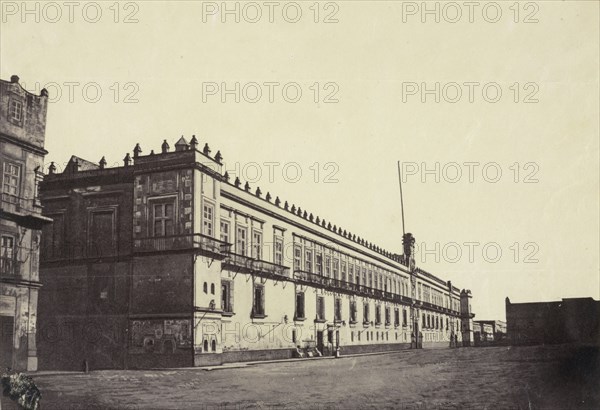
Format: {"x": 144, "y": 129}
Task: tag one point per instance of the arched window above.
{"x": 205, "y": 346}
{"x": 212, "y": 288}
{"x": 214, "y": 345}
{"x": 205, "y": 287}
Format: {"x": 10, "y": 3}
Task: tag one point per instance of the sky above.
{"x": 492, "y": 112}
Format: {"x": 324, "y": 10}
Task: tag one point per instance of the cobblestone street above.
{"x": 550, "y": 377}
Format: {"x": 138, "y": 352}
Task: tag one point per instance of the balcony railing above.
{"x": 16, "y": 204}
{"x": 258, "y": 266}
{"x": 9, "y": 266}
{"x": 180, "y": 242}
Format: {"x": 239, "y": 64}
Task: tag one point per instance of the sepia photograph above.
{"x": 310, "y": 204}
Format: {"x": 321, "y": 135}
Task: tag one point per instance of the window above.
{"x": 227, "y": 296}
{"x": 52, "y": 238}
{"x": 7, "y": 254}
{"x": 404, "y": 318}
{"x": 278, "y": 251}
{"x": 378, "y": 315}
{"x": 225, "y": 231}
{"x": 12, "y": 179}
{"x": 370, "y": 279}
{"x": 240, "y": 241}
{"x": 338, "y": 309}
{"x": 299, "y": 306}
{"x": 366, "y": 313}
{"x": 343, "y": 271}
{"x": 15, "y": 111}
{"x": 308, "y": 254}
{"x": 388, "y": 319}
{"x": 162, "y": 218}
{"x": 207, "y": 219}
{"x": 319, "y": 264}
{"x": 350, "y": 273}
{"x": 257, "y": 244}
{"x": 352, "y": 311}
{"x": 327, "y": 266}
{"x": 336, "y": 268}
{"x": 396, "y": 317}
{"x": 320, "y": 308}
{"x": 101, "y": 233}
{"x": 297, "y": 257}
{"x": 258, "y": 309}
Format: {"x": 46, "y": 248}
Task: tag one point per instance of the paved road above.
{"x": 478, "y": 378}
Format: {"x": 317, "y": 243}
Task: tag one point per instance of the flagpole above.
{"x": 401, "y": 199}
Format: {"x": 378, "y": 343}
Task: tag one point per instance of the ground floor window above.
{"x": 258, "y": 308}
{"x": 299, "y": 305}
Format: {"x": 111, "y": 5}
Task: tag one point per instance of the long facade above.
{"x": 166, "y": 261}
{"x": 22, "y": 135}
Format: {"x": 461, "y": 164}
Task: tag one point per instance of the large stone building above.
{"x": 166, "y": 261}
{"x": 574, "y": 320}
{"x": 22, "y": 133}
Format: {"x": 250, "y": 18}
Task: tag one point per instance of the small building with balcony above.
{"x": 22, "y": 134}
{"x": 167, "y": 261}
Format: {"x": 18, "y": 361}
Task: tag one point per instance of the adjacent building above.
{"x": 168, "y": 261}
{"x": 489, "y": 331}
{"x": 22, "y": 134}
{"x": 573, "y": 320}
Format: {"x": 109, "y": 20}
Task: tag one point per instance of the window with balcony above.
{"x": 208, "y": 211}
{"x": 353, "y": 311}
{"x": 319, "y": 264}
{"x": 7, "y": 254}
{"x": 227, "y": 296}
{"x": 308, "y": 256}
{"x": 224, "y": 225}
{"x": 240, "y": 241}
{"x": 297, "y": 257}
{"x": 278, "y": 251}
{"x": 258, "y": 307}
{"x": 11, "y": 181}
{"x": 15, "y": 111}
{"x": 162, "y": 219}
{"x": 338, "y": 309}
{"x": 299, "y": 315}
{"x": 257, "y": 244}
{"x": 320, "y": 308}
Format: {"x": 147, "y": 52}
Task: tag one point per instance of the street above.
{"x": 551, "y": 377}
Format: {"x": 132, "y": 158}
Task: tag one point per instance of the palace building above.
{"x": 166, "y": 261}
{"x": 22, "y": 135}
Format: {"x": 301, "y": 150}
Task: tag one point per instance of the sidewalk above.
{"x": 235, "y": 365}
{"x": 238, "y": 365}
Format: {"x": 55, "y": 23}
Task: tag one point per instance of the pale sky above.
{"x": 374, "y": 52}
